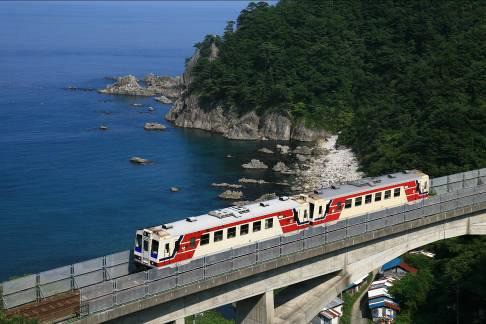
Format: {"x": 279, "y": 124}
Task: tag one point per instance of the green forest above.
{"x": 402, "y": 82}
{"x": 449, "y": 288}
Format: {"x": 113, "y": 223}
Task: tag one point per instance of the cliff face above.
{"x": 186, "y": 112}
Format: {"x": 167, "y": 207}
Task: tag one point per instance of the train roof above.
{"x": 234, "y": 214}
{"x": 366, "y": 184}
{"x": 224, "y": 216}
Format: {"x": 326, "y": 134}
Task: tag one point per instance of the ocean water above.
{"x": 67, "y": 189}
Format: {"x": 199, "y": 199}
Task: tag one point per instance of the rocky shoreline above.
{"x": 308, "y": 167}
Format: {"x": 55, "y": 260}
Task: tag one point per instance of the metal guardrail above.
{"x": 458, "y": 181}
{"x": 106, "y": 281}
{"x": 151, "y": 282}
{"x": 34, "y": 287}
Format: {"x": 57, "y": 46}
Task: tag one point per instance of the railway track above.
{"x": 51, "y": 309}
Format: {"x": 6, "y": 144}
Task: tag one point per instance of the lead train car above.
{"x": 235, "y": 226}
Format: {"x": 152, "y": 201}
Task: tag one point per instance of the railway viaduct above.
{"x": 308, "y": 269}
{"x": 313, "y": 277}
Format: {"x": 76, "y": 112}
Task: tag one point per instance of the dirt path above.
{"x": 360, "y": 305}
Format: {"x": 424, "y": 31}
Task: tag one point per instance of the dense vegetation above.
{"x": 208, "y": 317}
{"x": 449, "y": 288}
{"x": 403, "y": 81}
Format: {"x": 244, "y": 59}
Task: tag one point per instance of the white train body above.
{"x": 230, "y": 227}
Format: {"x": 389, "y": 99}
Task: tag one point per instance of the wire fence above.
{"x": 453, "y": 182}
{"x": 108, "y": 281}
{"x": 45, "y": 284}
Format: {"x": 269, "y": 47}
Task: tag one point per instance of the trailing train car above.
{"x": 230, "y": 227}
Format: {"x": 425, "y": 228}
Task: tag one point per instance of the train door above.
{"x": 311, "y": 210}
{"x": 167, "y": 248}
{"x": 146, "y": 247}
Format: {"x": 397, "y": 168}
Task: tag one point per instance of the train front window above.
{"x": 167, "y": 248}
{"x": 138, "y": 242}
{"x": 204, "y": 239}
{"x": 155, "y": 247}
{"x": 348, "y": 203}
{"x": 396, "y": 192}
{"x": 218, "y": 236}
{"x": 231, "y": 232}
{"x": 192, "y": 243}
{"x": 145, "y": 245}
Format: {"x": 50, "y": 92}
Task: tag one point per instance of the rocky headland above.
{"x": 304, "y": 167}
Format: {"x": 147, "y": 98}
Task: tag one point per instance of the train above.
{"x": 218, "y": 230}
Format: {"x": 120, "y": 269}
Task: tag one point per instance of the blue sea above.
{"x": 67, "y": 189}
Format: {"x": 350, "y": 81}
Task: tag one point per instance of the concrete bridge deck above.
{"x": 324, "y": 272}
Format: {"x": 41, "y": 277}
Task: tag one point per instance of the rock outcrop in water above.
{"x": 139, "y": 160}
{"x": 162, "y": 86}
{"x": 154, "y": 127}
{"x": 229, "y": 194}
{"x": 255, "y": 164}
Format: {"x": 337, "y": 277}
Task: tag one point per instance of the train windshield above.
{"x": 138, "y": 241}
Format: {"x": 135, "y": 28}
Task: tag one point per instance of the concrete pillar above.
{"x": 256, "y": 310}
{"x": 179, "y": 321}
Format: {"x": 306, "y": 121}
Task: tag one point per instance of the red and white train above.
{"x": 230, "y": 227}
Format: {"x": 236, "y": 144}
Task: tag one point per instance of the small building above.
{"x": 330, "y": 314}
{"x": 355, "y": 285}
{"x": 396, "y": 268}
{"x": 382, "y": 306}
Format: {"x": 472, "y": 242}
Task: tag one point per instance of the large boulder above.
{"x": 265, "y": 150}
{"x": 280, "y": 167}
{"x": 163, "y": 99}
{"x": 139, "y": 160}
{"x": 255, "y": 164}
{"x": 230, "y": 194}
{"x": 154, "y": 127}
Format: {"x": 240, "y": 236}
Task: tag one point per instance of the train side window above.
{"x": 231, "y": 232}
{"x": 378, "y": 196}
{"x": 396, "y": 192}
{"x": 257, "y": 226}
{"x": 357, "y": 201}
{"x": 218, "y": 236}
{"x": 244, "y": 229}
{"x": 268, "y": 223}
{"x": 387, "y": 194}
{"x": 368, "y": 199}
{"x": 145, "y": 245}
{"x": 192, "y": 243}
{"x": 320, "y": 210}
{"x": 167, "y": 248}
{"x": 204, "y": 239}
{"x": 348, "y": 203}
